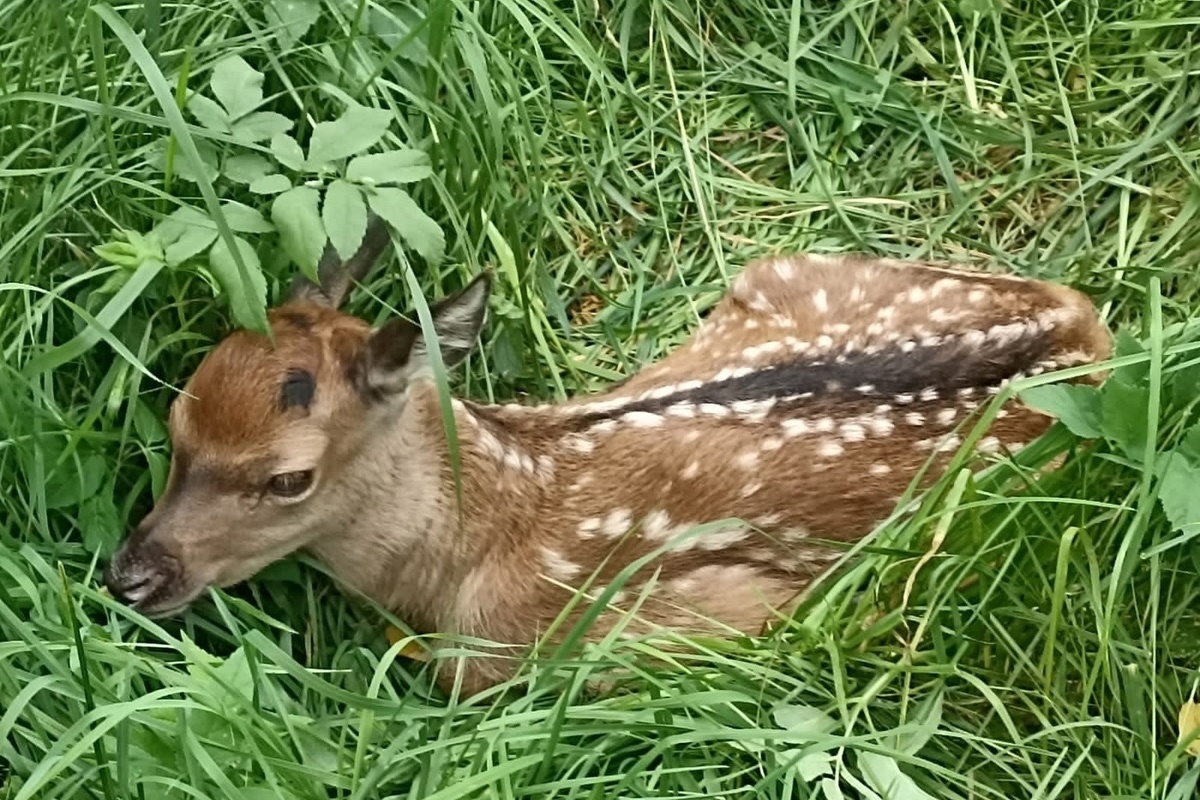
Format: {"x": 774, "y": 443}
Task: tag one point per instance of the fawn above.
{"x": 802, "y": 408}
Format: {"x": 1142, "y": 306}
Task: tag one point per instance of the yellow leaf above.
{"x": 410, "y": 650}
{"x": 1189, "y": 720}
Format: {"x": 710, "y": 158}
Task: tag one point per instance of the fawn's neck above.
{"x": 398, "y": 536}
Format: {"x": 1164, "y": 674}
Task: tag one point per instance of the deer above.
{"x": 815, "y": 389}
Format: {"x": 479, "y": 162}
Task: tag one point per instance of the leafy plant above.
{"x": 326, "y": 198}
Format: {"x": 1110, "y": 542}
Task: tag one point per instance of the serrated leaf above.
{"x": 1178, "y": 495}
{"x": 208, "y": 112}
{"x": 260, "y": 126}
{"x": 1077, "y": 406}
{"x": 1125, "y": 410}
{"x": 356, "y": 130}
{"x": 245, "y": 308}
{"x": 287, "y": 151}
{"x": 297, "y": 217}
{"x": 246, "y": 168}
{"x": 291, "y": 19}
{"x": 237, "y": 85}
{"x": 396, "y": 166}
{"x": 270, "y": 184}
{"x": 244, "y": 219}
{"x": 345, "y": 216}
{"x": 416, "y": 228}
{"x": 884, "y": 776}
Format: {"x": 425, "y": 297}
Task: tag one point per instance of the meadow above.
{"x": 615, "y": 162}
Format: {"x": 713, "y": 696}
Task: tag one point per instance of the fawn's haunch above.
{"x": 805, "y": 404}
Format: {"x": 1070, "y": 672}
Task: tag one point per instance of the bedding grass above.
{"x": 617, "y": 163}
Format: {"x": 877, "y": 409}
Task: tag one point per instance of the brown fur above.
{"x": 555, "y": 493}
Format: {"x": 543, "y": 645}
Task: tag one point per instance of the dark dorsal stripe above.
{"x": 888, "y": 372}
{"x": 297, "y": 390}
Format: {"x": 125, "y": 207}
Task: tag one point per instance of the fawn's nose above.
{"x": 138, "y": 571}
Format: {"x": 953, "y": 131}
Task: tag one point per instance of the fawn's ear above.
{"x": 397, "y": 350}
{"x": 335, "y": 276}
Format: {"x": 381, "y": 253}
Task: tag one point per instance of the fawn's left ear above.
{"x": 336, "y": 277}
{"x": 398, "y": 349}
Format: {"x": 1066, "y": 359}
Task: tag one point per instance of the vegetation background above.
{"x": 616, "y": 161}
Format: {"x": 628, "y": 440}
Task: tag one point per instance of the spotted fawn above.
{"x": 801, "y": 409}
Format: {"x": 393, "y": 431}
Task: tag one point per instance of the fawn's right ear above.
{"x": 335, "y": 276}
{"x": 397, "y": 350}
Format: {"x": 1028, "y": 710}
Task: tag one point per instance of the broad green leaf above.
{"x": 1178, "y": 492}
{"x": 396, "y": 166}
{"x": 804, "y": 720}
{"x": 356, "y": 130}
{"x": 100, "y": 524}
{"x": 884, "y": 776}
{"x": 237, "y": 85}
{"x": 291, "y": 19}
{"x": 345, "y": 217}
{"x": 287, "y": 151}
{"x": 190, "y": 243}
{"x": 270, "y": 184}
{"x": 71, "y": 484}
{"x": 260, "y": 126}
{"x": 416, "y": 228}
{"x": 150, "y": 429}
{"x": 244, "y": 219}
{"x": 1126, "y": 344}
{"x": 1190, "y": 446}
{"x": 245, "y": 309}
{"x": 208, "y": 112}
{"x": 1077, "y": 406}
{"x": 297, "y": 217}
{"x": 182, "y": 166}
{"x": 830, "y": 790}
{"x": 1125, "y": 416}
{"x": 246, "y": 168}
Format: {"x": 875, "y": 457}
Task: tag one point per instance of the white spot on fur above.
{"x": 772, "y": 443}
{"x": 559, "y": 568}
{"x": 821, "y": 301}
{"x": 880, "y": 469}
{"x": 657, "y": 525}
{"x": 881, "y": 426}
{"x": 691, "y": 436}
{"x": 829, "y": 449}
{"x": 682, "y": 410}
{"x": 589, "y": 527}
{"x": 794, "y": 427}
{"x": 977, "y": 295}
{"x": 690, "y": 471}
{"x": 642, "y": 419}
{"x": 946, "y": 416}
{"x": 748, "y": 459}
{"x": 604, "y": 426}
{"x": 750, "y": 488}
{"x": 914, "y": 418}
{"x": 928, "y": 395}
{"x": 865, "y": 388}
{"x": 767, "y": 520}
{"x": 580, "y": 444}
{"x": 824, "y": 425}
{"x": 853, "y": 432}
{"x": 714, "y": 410}
{"x": 750, "y": 324}
{"x": 617, "y": 523}
{"x": 783, "y": 269}
{"x": 545, "y": 467}
{"x": 857, "y": 295}
{"x": 989, "y": 445}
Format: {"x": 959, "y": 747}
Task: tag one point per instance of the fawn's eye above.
{"x": 290, "y": 484}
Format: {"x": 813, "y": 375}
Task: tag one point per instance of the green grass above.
{"x": 632, "y": 154}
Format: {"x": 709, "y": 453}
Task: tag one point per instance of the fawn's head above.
{"x": 263, "y": 429}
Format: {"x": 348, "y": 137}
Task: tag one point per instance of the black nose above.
{"x": 137, "y": 573}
